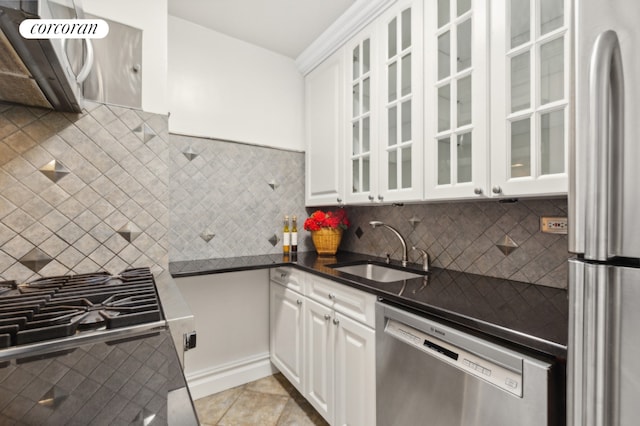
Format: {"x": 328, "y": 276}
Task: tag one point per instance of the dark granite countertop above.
{"x": 529, "y": 316}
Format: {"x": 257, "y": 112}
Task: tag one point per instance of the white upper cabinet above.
{"x": 362, "y": 113}
{"x": 400, "y": 174}
{"x": 456, "y": 113}
{"x": 324, "y": 119}
{"x": 530, "y": 92}
{"x": 466, "y": 99}
{"x": 384, "y": 89}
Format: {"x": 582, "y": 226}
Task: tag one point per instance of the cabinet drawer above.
{"x": 288, "y": 277}
{"x": 354, "y": 303}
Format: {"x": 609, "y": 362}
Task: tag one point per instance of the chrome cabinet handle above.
{"x": 332, "y": 296}
{"x": 327, "y": 317}
{"x": 283, "y": 275}
{"x": 371, "y": 198}
{"x": 496, "y": 190}
{"x": 336, "y": 321}
{"x": 380, "y": 197}
{"x": 606, "y": 124}
{"x": 477, "y": 191}
{"x": 339, "y": 200}
{"x": 299, "y": 302}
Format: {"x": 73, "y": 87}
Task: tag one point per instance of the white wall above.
{"x": 151, "y": 17}
{"x": 231, "y": 313}
{"x": 224, "y": 88}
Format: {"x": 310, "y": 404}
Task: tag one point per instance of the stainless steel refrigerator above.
{"x": 604, "y": 220}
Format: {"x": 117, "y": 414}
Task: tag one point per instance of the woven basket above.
{"x": 327, "y": 240}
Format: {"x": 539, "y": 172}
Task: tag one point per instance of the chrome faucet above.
{"x": 405, "y": 253}
{"x": 425, "y": 258}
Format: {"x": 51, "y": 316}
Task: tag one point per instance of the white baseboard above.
{"x": 213, "y": 380}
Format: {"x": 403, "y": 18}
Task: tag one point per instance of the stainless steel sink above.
{"x": 380, "y": 273}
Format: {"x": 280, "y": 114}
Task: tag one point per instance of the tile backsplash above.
{"x": 465, "y": 236}
{"x": 229, "y": 199}
{"x": 110, "y": 188}
{"x": 82, "y": 192}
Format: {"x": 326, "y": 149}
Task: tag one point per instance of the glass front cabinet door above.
{"x": 456, "y": 116}
{"x": 531, "y": 50}
{"x": 401, "y": 144}
{"x": 362, "y": 113}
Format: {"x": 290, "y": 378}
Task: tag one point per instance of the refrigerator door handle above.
{"x": 594, "y": 342}
{"x": 575, "y": 362}
{"x": 604, "y": 153}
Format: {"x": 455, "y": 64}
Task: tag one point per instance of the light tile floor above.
{"x": 271, "y": 401}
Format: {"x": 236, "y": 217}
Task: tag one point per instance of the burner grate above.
{"x": 56, "y": 307}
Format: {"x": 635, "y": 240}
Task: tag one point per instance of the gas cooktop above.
{"x": 58, "y": 307}
{"x": 89, "y": 349}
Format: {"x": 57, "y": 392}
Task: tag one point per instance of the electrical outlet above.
{"x": 554, "y": 225}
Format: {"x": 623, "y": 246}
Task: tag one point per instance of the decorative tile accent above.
{"x": 53, "y": 398}
{"x": 144, "y": 417}
{"x": 507, "y": 245}
{"x": 190, "y": 154}
{"x": 274, "y": 240}
{"x": 144, "y": 132}
{"x": 129, "y": 232}
{"x": 359, "y": 232}
{"x": 207, "y": 236}
{"x": 35, "y": 260}
{"x": 273, "y": 184}
{"x": 54, "y": 170}
{"x": 414, "y": 221}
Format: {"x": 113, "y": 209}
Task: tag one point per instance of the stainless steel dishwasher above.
{"x": 428, "y": 373}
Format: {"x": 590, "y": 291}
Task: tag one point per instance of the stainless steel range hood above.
{"x": 34, "y": 72}
{"x": 42, "y": 73}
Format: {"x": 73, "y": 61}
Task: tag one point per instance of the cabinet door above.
{"x": 401, "y": 143}
{"x": 355, "y": 373}
{"x": 362, "y": 133}
{"x": 324, "y": 115}
{"x": 531, "y": 65}
{"x": 286, "y": 333}
{"x": 456, "y": 119}
{"x": 319, "y": 358}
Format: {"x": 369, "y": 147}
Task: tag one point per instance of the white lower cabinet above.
{"x": 319, "y": 354}
{"x": 327, "y": 354}
{"x": 355, "y": 378}
{"x": 286, "y": 326}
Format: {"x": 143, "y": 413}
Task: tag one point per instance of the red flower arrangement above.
{"x": 332, "y": 219}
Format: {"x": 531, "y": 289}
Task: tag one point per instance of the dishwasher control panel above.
{"x": 498, "y": 375}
